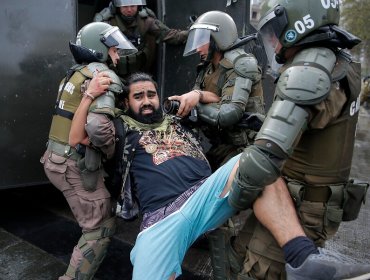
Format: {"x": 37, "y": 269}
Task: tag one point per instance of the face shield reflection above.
{"x": 197, "y": 38}
{"x": 115, "y": 38}
{"x": 270, "y": 41}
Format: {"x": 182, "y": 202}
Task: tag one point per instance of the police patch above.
{"x": 290, "y": 35}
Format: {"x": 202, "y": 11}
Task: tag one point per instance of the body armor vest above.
{"x": 213, "y": 79}
{"x": 324, "y": 156}
{"x": 69, "y": 98}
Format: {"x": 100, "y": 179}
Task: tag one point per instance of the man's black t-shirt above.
{"x": 165, "y": 165}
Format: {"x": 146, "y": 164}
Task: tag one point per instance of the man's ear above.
{"x": 126, "y": 102}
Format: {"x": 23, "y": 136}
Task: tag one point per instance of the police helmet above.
{"x": 95, "y": 39}
{"x": 122, "y": 3}
{"x": 216, "y": 25}
{"x": 290, "y": 21}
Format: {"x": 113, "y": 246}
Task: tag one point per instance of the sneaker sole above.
{"x": 362, "y": 277}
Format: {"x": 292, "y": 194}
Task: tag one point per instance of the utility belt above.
{"x": 63, "y": 150}
{"x": 343, "y": 201}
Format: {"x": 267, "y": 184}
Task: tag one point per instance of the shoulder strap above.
{"x": 222, "y": 78}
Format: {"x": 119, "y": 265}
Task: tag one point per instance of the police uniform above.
{"x": 227, "y": 141}
{"x": 91, "y": 207}
{"x": 317, "y": 172}
{"x": 145, "y": 31}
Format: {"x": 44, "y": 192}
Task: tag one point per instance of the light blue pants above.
{"x": 160, "y": 249}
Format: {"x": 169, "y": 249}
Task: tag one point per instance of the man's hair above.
{"x": 135, "y": 78}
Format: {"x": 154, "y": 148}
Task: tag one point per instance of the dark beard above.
{"x": 155, "y": 117}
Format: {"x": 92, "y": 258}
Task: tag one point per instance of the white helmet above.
{"x": 122, "y": 3}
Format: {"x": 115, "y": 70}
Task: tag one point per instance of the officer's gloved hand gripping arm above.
{"x": 300, "y": 85}
{"x": 231, "y": 111}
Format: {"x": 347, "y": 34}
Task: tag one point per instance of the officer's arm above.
{"x": 163, "y": 33}
{"x": 105, "y": 14}
{"x": 176, "y": 36}
{"x": 230, "y": 113}
{"x": 231, "y": 110}
{"x": 305, "y": 83}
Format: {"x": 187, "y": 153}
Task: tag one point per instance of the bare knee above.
{"x": 230, "y": 180}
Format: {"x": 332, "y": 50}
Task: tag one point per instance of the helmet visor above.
{"x": 199, "y": 35}
{"x": 277, "y": 19}
{"x": 270, "y": 41}
{"x": 270, "y": 28}
{"x": 115, "y": 38}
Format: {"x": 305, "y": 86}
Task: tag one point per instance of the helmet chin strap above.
{"x": 110, "y": 64}
{"x": 280, "y": 57}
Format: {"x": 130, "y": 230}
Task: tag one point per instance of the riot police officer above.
{"x": 143, "y": 29}
{"x": 230, "y": 89}
{"x": 308, "y": 134}
{"x": 76, "y": 171}
{"x": 228, "y": 82}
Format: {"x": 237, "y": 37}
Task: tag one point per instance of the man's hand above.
{"x": 190, "y": 99}
{"x": 98, "y": 85}
{"x": 187, "y": 102}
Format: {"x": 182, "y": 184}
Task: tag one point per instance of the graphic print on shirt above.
{"x": 166, "y": 145}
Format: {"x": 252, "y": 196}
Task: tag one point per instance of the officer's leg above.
{"x": 92, "y": 211}
{"x": 93, "y": 247}
{"x": 226, "y": 259}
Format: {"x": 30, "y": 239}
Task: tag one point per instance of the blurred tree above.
{"x": 355, "y": 17}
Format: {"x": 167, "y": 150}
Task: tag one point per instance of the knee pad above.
{"x": 94, "y": 252}
{"x": 256, "y": 170}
